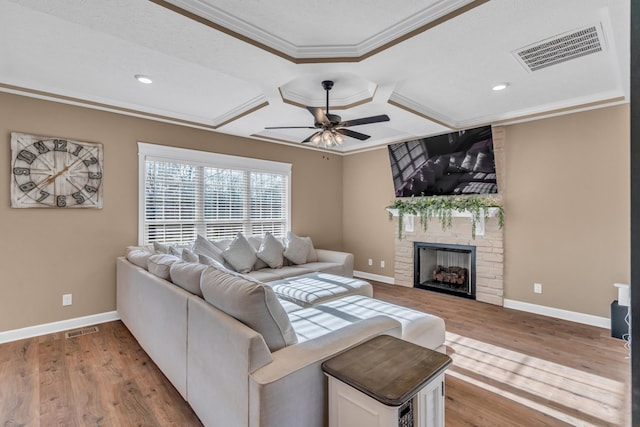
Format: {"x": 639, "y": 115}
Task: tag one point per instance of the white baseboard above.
{"x": 376, "y": 277}
{"x": 573, "y": 316}
{"x": 63, "y": 325}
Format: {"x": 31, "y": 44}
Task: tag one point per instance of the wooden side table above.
{"x": 386, "y": 382}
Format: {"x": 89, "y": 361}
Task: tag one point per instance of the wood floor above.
{"x": 510, "y": 369}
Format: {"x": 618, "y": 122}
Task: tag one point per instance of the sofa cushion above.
{"x": 159, "y": 265}
{"x": 240, "y": 254}
{"x": 297, "y": 249}
{"x": 326, "y": 267}
{"x": 315, "y": 288}
{"x": 289, "y": 306}
{"x": 288, "y": 271}
{"x": 139, "y": 257}
{"x": 270, "y": 251}
{"x": 251, "y": 302}
{"x": 264, "y": 275}
{"x": 204, "y": 247}
{"x": 417, "y": 327}
{"x": 187, "y": 275}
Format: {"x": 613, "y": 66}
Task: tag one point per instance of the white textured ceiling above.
{"x": 244, "y": 65}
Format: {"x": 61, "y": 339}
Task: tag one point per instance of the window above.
{"x": 184, "y": 193}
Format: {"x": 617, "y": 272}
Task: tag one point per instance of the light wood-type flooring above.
{"x": 510, "y": 369}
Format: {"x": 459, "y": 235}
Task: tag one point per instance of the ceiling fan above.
{"x": 330, "y": 126}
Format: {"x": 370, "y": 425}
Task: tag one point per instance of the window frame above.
{"x": 147, "y": 151}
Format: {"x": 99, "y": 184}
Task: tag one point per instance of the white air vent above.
{"x": 561, "y": 48}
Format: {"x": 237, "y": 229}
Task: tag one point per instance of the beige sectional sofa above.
{"x": 247, "y": 353}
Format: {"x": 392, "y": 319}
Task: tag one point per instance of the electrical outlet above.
{"x": 370, "y": 262}
{"x": 67, "y": 299}
{"x": 537, "y": 288}
{"x": 381, "y": 264}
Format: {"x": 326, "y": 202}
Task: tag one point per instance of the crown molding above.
{"x": 234, "y": 26}
{"x": 242, "y": 110}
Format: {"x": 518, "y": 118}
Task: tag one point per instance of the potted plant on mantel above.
{"x": 444, "y": 207}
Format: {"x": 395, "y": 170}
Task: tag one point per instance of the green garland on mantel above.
{"x": 441, "y": 207}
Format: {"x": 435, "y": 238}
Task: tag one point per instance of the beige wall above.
{"x": 368, "y": 232}
{"x": 45, "y": 253}
{"x": 567, "y": 210}
{"x": 567, "y": 207}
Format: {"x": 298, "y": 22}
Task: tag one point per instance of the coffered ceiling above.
{"x": 239, "y": 66}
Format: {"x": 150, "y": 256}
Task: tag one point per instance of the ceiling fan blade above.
{"x": 311, "y": 137}
{"x": 352, "y": 134}
{"x": 290, "y": 127}
{"x": 365, "y": 120}
{"x": 319, "y": 115}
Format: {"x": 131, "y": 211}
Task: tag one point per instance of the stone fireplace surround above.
{"x": 489, "y": 247}
{"x": 489, "y": 254}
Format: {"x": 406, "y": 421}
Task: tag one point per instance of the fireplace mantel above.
{"x": 408, "y": 219}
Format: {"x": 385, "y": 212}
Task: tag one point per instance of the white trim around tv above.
{"x": 63, "y": 325}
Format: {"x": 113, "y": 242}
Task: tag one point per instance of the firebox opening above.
{"x": 445, "y": 268}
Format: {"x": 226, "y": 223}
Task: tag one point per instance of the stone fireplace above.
{"x": 488, "y": 243}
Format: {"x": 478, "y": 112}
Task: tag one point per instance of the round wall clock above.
{"x": 51, "y": 172}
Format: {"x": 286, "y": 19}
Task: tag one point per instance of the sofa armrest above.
{"x": 291, "y": 390}
{"x": 344, "y": 258}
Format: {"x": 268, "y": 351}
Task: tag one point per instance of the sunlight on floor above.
{"x": 538, "y": 384}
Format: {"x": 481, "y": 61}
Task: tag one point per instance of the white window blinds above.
{"x": 187, "y": 192}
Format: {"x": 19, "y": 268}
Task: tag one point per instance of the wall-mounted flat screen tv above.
{"x": 457, "y": 163}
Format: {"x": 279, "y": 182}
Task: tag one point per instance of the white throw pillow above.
{"x": 270, "y": 251}
{"x": 206, "y": 260}
{"x": 139, "y": 257}
{"x": 189, "y": 256}
{"x": 256, "y": 241}
{"x": 204, "y": 247}
{"x": 251, "y": 302}
{"x": 240, "y": 254}
{"x": 159, "y": 264}
{"x": 297, "y": 249}
{"x": 161, "y": 248}
{"x": 313, "y": 255}
{"x": 187, "y": 275}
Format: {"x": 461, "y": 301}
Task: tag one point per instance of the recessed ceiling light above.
{"x": 143, "y": 79}
{"x": 500, "y": 86}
